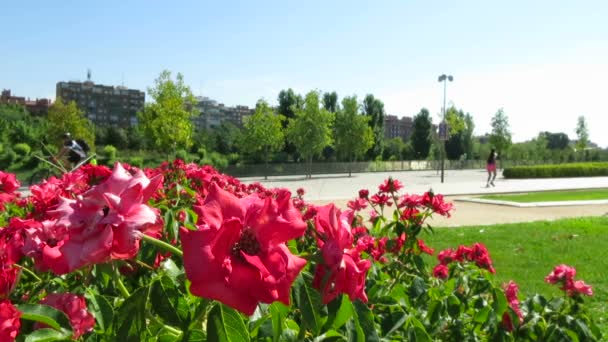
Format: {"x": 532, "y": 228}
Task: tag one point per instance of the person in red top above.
{"x": 491, "y": 167}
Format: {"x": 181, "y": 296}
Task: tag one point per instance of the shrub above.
{"x": 216, "y": 160}
{"x": 181, "y": 154}
{"x": 556, "y": 171}
{"x": 109, "y": 151}
{"x": 202, "y": 152}
{"x": 136, "y": 161}
{"x": 8, "y": 157}
{"x": 22, "y": 149}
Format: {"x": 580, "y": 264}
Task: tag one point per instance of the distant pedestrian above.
{"x": 491, "y": 167}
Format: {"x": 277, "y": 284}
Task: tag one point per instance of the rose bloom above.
{"x": 441, "y": 271}
{"x": 559, "y": 273}
{"x": 10, "y": 321}
{"x": 8, "y": 278}
{"x": 357, "y": 204}
{"x": 300, "y": 192}
{"x": 390, "y": 185}
{"x": 8, "y": 182}
{"x": 577, "y": 286}
{"x": 363, "y": 193}
{"x": 342, "y": 269}
{"x": 75, "y": 307}
{"x": 238, "y": 254}
{"x": 381, "y": 200}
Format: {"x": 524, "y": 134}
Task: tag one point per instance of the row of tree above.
{"x": 299, "y": 128}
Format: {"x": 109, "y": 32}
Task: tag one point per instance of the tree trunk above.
{"x": 350, "y": 166}
{"x": 310, "y": 167}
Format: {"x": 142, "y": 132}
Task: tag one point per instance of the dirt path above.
{"x": 469, "y": 214}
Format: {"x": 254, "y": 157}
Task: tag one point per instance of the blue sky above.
{"x": 544, "y": 62}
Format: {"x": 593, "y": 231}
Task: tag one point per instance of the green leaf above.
{"x": 500, "y": 302}
{"x": 278, "y": 313}
{"x": 196, "y": 335}
{"x": 342, "y": 314}
{"x": 366, "y": 319}
{"x": 45, "y": 314}
{"x": 170, "y": 268}
{"x": 164, "y": 298}
{"x": 354, "y": 332}
{"x": 225, "y": 324}
{"x": 168, "y": 337}
{"x": 100, "y": 308}
{"x": 481, "y": 316}
{"x": 130, "y": 321}
{"x": 330, "y": 335}
{"x": 435, "y": 311}
{"x": 396, "y": 324}
{"x": 47, "y": 335}
{"x": 417, "y": 288}
{"x": 419, "y": 330}
{"x": 309, "y": 302}
{"x": 453, "y": 306}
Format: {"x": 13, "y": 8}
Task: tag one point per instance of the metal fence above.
{"x": 287, "y": 169}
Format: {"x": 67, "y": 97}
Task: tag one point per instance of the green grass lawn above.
{"x": 527, "y": 252}
{"x": 552, "y": 196}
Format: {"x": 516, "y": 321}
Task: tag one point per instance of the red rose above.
{"x": 75, "y": 307}
{"x": 559, "y": 273}
{"x": 363, "y": 193}
{"x": 8, "y": 277}
{"x": 390, "y": 185}
{"x": 8, "y": 182}
{"x": 238, "y": 256}
{"x": 441, "y": 271}
{"x": 342, "y": 270}
{"x": 9, "y": 321}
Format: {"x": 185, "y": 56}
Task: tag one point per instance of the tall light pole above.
{"x": 443, "y": 126}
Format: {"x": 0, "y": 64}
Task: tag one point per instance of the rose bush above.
{"x": 184, "y": 253}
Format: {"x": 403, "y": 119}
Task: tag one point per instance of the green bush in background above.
{"x": 22, "y": 149}
{"x": 109, "y": 152}
{"x": 556, "y": 171}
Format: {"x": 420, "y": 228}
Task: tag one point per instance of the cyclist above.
{"x": 74, "y": 149}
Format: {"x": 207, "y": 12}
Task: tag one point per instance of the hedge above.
{"x": 558, "y": 170}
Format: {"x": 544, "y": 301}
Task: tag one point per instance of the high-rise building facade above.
{"x": 398, "y": 128}
{"x": 212, "y": 114}
{"x": 104, "y": 105}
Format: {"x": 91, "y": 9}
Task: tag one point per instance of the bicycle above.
{"x": 53, "y": 167}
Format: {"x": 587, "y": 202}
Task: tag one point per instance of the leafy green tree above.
{"x": 500, "y": 137}
{"x": 117, "y": 137}
{"x": 167, "y": 120}
{"x": 330, "y": 102}
{"x": 582, "y": 133}
{"x": 540, "y": 146}
{"x": 227, "y": 137}
{"x": 289, "y": 102}
{"x": 556, "y": 141}
{"x": 263, "y": 132}
{"x": 421, "y": 134}
{"x": 311, "y": 129}
{"x": 66, "y": 117}
{"x": 393, "y": 149}
{"x": 17, "y": 125}
{"x": 374, "y": 108}
{"x": 353, "y": 136}
{"x": 467, "y": 135}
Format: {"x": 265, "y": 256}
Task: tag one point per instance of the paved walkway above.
{"x": 322, "y": 189}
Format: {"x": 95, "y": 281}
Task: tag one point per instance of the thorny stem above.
{"x": 162, "y": 245}
{"x": 29, "y": 272}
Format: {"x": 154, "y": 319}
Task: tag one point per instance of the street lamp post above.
{"x": 443, "y": 129}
